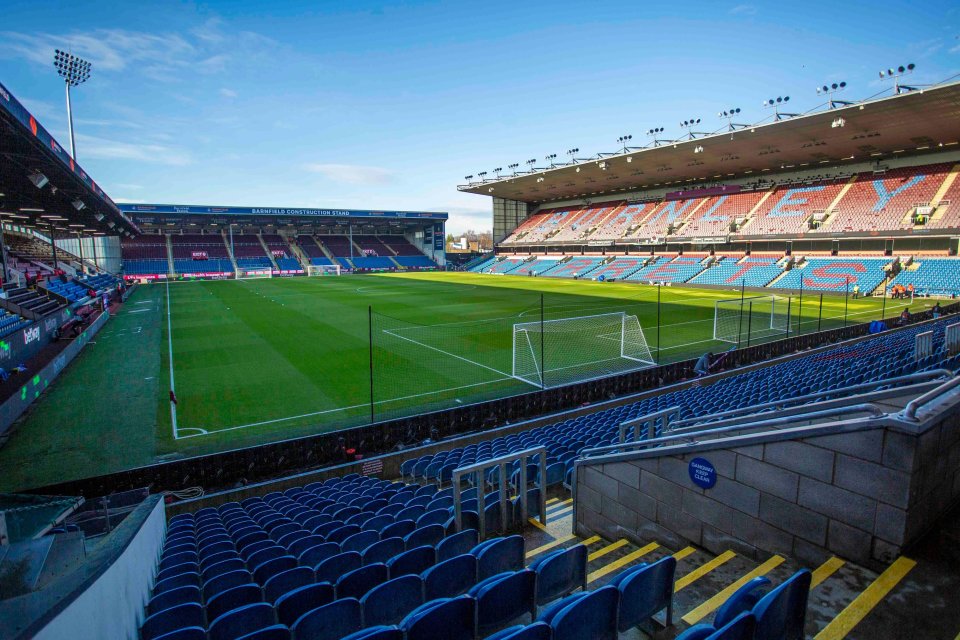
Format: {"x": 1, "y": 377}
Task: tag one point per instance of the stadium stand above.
{"x": 30, "y": 300}
{"x": 833, "y": 274}
{"x": 506, "y": 266}
{"x": 145, "y": 255}
{"x": 933, "y": 276}
{"x": 415, "y": 262}
{"x": 249, "y": 253}
{"x": 789, "y": 207}
{"x": 713, "y": 217}
{"x": 10, "y": 322}
{"x": 669, "y": 269}
{"x": 663, "y": 219}
{"x": 887, "y": 201}
{"x": 577, "y": 267}
{"x": 748, "y": 271}
{"x": 100, "y": 282}
{"x": 481, "y": 265}
{"x": 313, "y": 251}
{"x": 622, "y": 221}
{"x": 69, "y": 290}
{"x": 286, "y": 261}
{"x": 583, "y": 223}
{"x": 946, "y": 214}
{"x": 188, "y": 251}
{"x": 870, "y": 360}
{"x": 619, "y": 268}
{"x": 536, "y": 267}
{"x": 33, "y": 252}
{"x": 400, "y": 245}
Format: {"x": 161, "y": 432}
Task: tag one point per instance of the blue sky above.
{"x": 389, "y": 105}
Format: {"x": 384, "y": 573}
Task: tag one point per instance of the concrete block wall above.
{"x": 861, "y": 495}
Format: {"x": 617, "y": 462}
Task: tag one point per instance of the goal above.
{"x": 252, "y": 274}
{"x": 323, "y": 269}
{"x": 753, "y": 317}
{"x": 557, "y": 352}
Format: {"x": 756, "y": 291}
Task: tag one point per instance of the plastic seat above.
{"x": 399, "y": 529}
{"x": 275, "y": 632}
{"x": 644, "y": 591}
{"x": 174, "y": 597}
{"x": 358, "y": 582}
{"x": 560, "y": 573}
{"x": 169, "y": 572}
{"x": 445, "y": 619}
{"x": 499, "y": 555}
{"x": 503, "y": 598}
{"x": 286, "y": 581}
{"x": 239, "y": 622}
{"x": 233, "y": 598}
{"x": 318, "y": 553}
{"x": 360, "y": 541}
{"x": 781, "y": 613}
{"x": 377, "y": 633}
{"x": 261, "y": 556}
{"x": 225, "y": 581}
{"x": 415, "y": 561}
{"x": 456, "y": 544}
{"x": 263, "y": 572}
{"x": 592, "y": 616}
{"x": 389, "y": 602}
{"x": 535, "y": 631}
{"x": 429, "y": 535}
{"x": 740, "y": 628}
{"x": 450, "y": 578}
{"x": 297, "y": 547}
{"x": 329, "y": 622}
{"x": 174, "y": 582}
{"x": 742, "y": 600}
{"x": 332, "y": 568}
{"x": 189, "y": 614}
{"x": 293, "y": 604}
{"x": 185, "y": 633}
{"x": 384, "y": 550}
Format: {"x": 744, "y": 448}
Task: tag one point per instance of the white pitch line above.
{"x": 447, "y": 353}
{"x": 356, "y": 406}
{"x": 173, "y": 405}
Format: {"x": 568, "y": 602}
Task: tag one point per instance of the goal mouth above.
{"x": 750, "y": 317}
{"x": 253, "y": 274}
{"x": 556, "y": 352}
{"x": 323, "y": 270}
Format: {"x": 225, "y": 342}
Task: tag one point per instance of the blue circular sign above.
{"x": 601, "y": 277}
{"x": 703, "y": 473}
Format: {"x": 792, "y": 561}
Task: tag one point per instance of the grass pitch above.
{"x": 259, "y": 360}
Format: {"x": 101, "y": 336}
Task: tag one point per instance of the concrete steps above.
{"x": 842, "y": 596}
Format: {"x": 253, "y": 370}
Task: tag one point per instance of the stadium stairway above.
{"x": 226, "y": 243}
{"x": 298, "y": 253}
{"x": 170, "y": 269}
{"x": 268, "y": 252}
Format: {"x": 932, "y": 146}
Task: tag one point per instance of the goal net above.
{"x": 752, "y": 318}
{"x": 252, "y": 274}
{"x": 557, "y": 352}
{"x": 323, "y": 269}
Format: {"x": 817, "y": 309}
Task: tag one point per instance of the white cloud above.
{"x": 104, "y": 149}
{"x": 228, "y": 93}
{"x": 352, "y": 173}
{"x": 744, "y": 10}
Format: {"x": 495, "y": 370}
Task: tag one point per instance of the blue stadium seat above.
{"x": 174, "y": 597}
{"x": 383, "y": 550}
{"x": 266, "y": 570}
{"x": 317, "y": 554}
{"x": 183, "y": 615}
{"x": 456, "y": 544}
{"x": 415, "y": 561}
{"x": 329, "y": 622}
{"x": 645, "y": 591}
{"x": 287, "y": 581}
{"x": 356, "y": 583}
{"x": 389, "y": 602}
{"x": 429, "y": 535}
{"x": 225, "y": 581}
{"x": 560, "y": 573}
{"x": 499, "y": 555}
{"x": 535, "y": 631}
{"x": 293, "y": 604}
{"x": 181, "y": 580}
{"x": 450, "y": 578}
{"x": 503, "y": 598}
{"x": 740, "y": 628}
{"x": 247, "y": 619}
{"x": 185, "y": 633}
{"x": 377, "y": 633}
{"x": 332, "y": 568}
{"x": 593, "y": 615}
{"x": 741, "y": 600}
{"x": 233, "y": 599}
{"x": 444, "y": 619}
{"x": 275, "y": 632}
{"x": 360, "y": 541}
{"x": 781, "y": 613}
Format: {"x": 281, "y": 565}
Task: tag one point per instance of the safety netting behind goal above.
{"x": 563, "y": 351}
{"x": 751, "y": 318}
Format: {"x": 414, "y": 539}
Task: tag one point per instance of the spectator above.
{"x": 702, "y": 367}
{"x": 910, "y": 291}
{"x": 905, "y": 318}
{"x": 936, "y": 311}
{"x": 856, "y": 291}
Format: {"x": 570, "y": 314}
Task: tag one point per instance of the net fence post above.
{"x": 800, "y": 311}
{"x": 789, "y": 300}
{"x": 740, "y": 324}
{"x": 749, "y": 323}
{"x": 820, "y": 314}
{"x": 883, "y": 310}
{"x": 543, "y": 365}
{"x": 370, "y": 338}
{"x": 846, "y": 303}
{"x": 658, "y": 325}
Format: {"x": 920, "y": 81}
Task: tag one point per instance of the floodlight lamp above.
{"x": 78, "y": 204}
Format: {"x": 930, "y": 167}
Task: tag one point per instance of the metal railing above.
{"x": 910, "y": 411}
{"x": 648, "y": 423}
{"x": 480, "y": 468}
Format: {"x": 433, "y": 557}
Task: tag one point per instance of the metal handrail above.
{"x": 780, "y": 404}
{"x": 501, "y": 461}
{"x": 910, "y": 411}
{"x": 691, "y": 438}
{"x": 649, "y": 420}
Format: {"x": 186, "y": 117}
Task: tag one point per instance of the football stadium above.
{"x": 705, "y": 386}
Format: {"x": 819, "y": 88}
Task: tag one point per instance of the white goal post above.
{"x": 253, "y": 274}
{"x": 757, "y": 316}
{"x": 323, "y": 269}
{"x": 567, "y": 350}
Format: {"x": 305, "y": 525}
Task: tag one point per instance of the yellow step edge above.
{"x": 552, "y": 500}
{"x": 825, "y": 570}
{"x": 621, "y": 562}
{"x": 599, "y": 553}
{"x": 683, "y": 553}
{"x": 702, "y": 570}
{"x": 560, "y": 513}
{"x": 713, "y": 603}
{"x": 864, "y": 603}
{"x": 550, "y": 545}
{"x": 537, "y": 524}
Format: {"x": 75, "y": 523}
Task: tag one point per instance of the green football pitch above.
{"x": 259, "y": 360}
